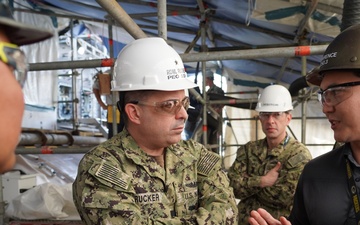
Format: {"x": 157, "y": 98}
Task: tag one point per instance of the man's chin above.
{"x": 271, "y": 134}
{"x": 174, "y": 139}
{"x": 339, "y": 138}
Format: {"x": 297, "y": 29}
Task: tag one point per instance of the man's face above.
{"x": 274, "y": 124}
{"x": 208, "y": 81}
{"x": 159, "y": 123}
{"x": 341, "y": 102}
{"x": 12, "y": 109}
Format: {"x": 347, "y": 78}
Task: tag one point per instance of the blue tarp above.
{"x": 240, "y": 24}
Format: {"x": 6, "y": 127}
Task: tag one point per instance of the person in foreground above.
{"x": 328, "y": 189}
{"x": 265, "y": 172}
{"x": 146, "y": 174}
{"x": 13, "y": 67}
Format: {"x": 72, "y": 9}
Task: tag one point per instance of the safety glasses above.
{"x": 333, "y": 95}
{"x": 171, "y": 106}
{"x": 267, "y": 115}
{"x": 15, "y": 58}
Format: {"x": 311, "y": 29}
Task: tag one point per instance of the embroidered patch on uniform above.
{"x": 207, "y": 163}
{"x": 188, "y": 194}
{"x": 148, "y": 198}
{"x": 112, "y": 175}
{"x": 296, "y": 159}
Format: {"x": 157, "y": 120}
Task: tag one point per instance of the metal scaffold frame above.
{"x": 121, "y": 17}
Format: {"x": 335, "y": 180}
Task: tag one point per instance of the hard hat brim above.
{"x": 22, "y": 34}
{"x": 314, "y": 77}
{"x": 171, "y": 86}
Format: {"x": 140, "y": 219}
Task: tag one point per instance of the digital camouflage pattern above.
{"x": 216, "y": 90}
{"x": 252, "y": 162}
{"x": 118, "y": 183}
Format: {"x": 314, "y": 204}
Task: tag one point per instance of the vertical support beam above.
{"x": 301, "y": 28}
{"x": 2, "y": 203}
{"x": 114, "y": 94}
{"x": 203, "y": 69}
{"x": 73, "y": 78}
{"x": 304, "y": 103}
{"x": 162, "y": 16}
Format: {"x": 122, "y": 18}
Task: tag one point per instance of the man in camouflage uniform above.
{"x": 209, "y": 76}
{"x": 265, "y": 172}
{"x": 146, "y": 174}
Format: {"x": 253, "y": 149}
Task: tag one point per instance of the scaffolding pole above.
{"x": 193, "y": 57}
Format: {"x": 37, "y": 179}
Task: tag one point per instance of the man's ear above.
{"x": 133, "y": 113}
{"x": 289, "y": 117}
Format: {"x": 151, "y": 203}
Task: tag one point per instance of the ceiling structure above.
{"x": 255, "y": 39}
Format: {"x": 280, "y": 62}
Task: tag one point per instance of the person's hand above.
{"x": 271, "y": 177}
{"x": 262, "y": 217}
{"x": 104, "y": 107}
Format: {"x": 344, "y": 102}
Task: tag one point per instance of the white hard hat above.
{"x": 149, "y": 64}
{"x": 274, "y": 98}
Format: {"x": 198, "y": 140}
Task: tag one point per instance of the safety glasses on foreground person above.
{"x": 15, "y": 58}
{"x": 335, "y": 94}
{"x": 171, "y": 106}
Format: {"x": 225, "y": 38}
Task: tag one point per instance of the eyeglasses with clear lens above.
{"x": 267, "y": 115}
{"x": 15, "y": 58}
{"x": 335, "y": 94}
{"x": 171, "y": 106}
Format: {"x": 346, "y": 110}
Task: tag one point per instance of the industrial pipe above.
{"x": 33, "y": 137}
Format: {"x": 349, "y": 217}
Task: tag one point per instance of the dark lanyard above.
{"x": 353, "y": 190}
